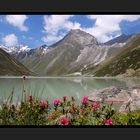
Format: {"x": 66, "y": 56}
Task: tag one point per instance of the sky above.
{"x": 37, "y": 30}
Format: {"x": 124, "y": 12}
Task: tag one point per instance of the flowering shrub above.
{"x": 64, "y": 121}
{"x": 85, "y": 100}
{"x": 63, "y": 112}
{"x": 108, "y": 122}
{"x": 64, "y": 98}
{"x": 57, "y": 102}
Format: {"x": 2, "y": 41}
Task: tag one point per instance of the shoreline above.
{"x": 35, "y": 77}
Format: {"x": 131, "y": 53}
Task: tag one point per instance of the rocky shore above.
{"x": 125, "y": 99}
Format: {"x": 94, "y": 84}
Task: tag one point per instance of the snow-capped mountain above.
{"x": 22, "y": 52}
{"x": 23, "y": 49}
{"x": 15, "y": 49}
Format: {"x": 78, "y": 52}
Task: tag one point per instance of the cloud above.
{"x": 108, "y": 24}
{"x": 10, "y": 40}
{"x": 17, "y": 21}
{"x": 51, "y": 38}
{"x": 106, "y": 27}
{"x": 53, "y": 24}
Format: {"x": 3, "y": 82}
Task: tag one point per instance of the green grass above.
{"x": 127, "y": 59}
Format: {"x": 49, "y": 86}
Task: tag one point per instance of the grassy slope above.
{"x": 10, "y": 66}
{"x": 129, "y": 58}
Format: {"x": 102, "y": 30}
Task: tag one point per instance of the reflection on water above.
{"x": 55, "y": 88}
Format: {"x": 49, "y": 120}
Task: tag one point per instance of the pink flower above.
{"x": 30, "y": 98}
{"x": 85, "y": 100}
{"x": 108, "y": 122}
{"x": 95, "y": 106}
{"x": 64, "y": 121}
{"x": 42, "y": 104}
{"x": 64, "y": 98}
{"x": 57, "y": 102}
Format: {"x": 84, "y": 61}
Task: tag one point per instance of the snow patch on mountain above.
{"x": 117, "y": 44}
{"x": 15, "y": 49}
{"x": 45, "y": 50}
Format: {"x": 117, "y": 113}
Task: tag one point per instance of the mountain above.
{"x": 128, "y": 60}
{"x": 21, "y": 52}
{"x": 10, "y": 66}
{"x": 73, "y": 54}
{"x": 120, "y": 39}
{"x": 77, "y": 53}
{"x": 59, "y": 57}
{"x": 92, "y": 56}
{"x": 37, "y": 52}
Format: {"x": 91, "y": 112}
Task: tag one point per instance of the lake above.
{"x": 52, "y": 88}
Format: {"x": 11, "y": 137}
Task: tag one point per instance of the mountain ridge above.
{"x": 77, "y": 52}
{"x": 127, "y": 59}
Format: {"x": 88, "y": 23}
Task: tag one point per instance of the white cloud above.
{"x": 71, "y": 25}
{"x": 51, "y": 38}
{"x": 10, "y": 40}
{"x": 54, "y": 23}
{"x": 105, "y": 24}
{"x": 17, "y": 21}
{"x": 106, "y": 27}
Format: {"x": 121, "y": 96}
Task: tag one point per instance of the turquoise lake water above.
{"x": 55, "y": 88}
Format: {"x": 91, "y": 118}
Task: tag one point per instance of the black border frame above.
{"x": 69, "y": 7}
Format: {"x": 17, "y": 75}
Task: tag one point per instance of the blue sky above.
{"x": 36, "y": 30}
